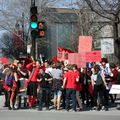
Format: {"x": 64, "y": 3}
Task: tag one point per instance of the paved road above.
{"x": 112, "y": 114}
{"x": 53, "y": 115}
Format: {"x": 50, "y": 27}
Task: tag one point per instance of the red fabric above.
{"x": 60, "y": 49}
{"x": 30, "y": 66}
{"x": 55, "y": 59}
{"x": 28, "y": 60}
{"x": 90, "y": 89}
{"x": 34, "y": 77}
{"x": 115, "y": 74}
{"x": 70, "y": 82}
{"x": 42, "y": 67}
{"x": 78, "y": 84}
{"x": 14, "y": 88}
{"x": 6, "y": 87}
{"x": 31, "y": 101}
{"x": 26, "y": 83}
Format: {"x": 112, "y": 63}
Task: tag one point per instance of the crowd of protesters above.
{"x": 54, "y": 85}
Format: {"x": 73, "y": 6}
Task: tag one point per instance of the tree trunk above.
{"x": 116, "y": 43}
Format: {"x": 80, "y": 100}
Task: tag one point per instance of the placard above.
{"x": 78, "y": 59}
{"x": 62, "y": 54}
{"x": 115, "y": 89}
{"x": 93, "y": 56}
{"x": 107, "y": 46}
{"x": 85, "y": 44}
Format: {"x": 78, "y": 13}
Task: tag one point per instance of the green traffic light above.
{"x": 33, "y": 25}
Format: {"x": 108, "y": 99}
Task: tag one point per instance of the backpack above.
{"x": 99, "y": 80}
{"x": 9, "y": 80}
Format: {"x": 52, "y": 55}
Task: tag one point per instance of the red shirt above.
{"x": 30, "y": 67}
{"x": 71, "y": 81}
{"x": 35, "y": 74}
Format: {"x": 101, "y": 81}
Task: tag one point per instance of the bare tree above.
{"x": 16, "y": 13}
{"x": 110, "y": 10}
{"x": 87, "y": 22}
{"x": 10, "y": 16}
{"x": 7, "y": 42}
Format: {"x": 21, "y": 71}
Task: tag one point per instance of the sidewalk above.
{"x": 115, "y": 107}
{"x": 2, "y": 101}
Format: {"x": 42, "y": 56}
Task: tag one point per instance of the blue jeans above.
{"x": 57, "y": 93}
{"x": 72, "y": 93}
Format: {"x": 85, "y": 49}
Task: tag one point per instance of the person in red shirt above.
{"x": 33, "y": 84}
{"x": 78, "y": 86}
{"x": 69, "y": 83}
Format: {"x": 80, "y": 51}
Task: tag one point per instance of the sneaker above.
{"x": 39, "y": 109}
{"x": 15, "y": 108}
{"x": 73, "y": 111}
{"x": 81, "y": 109}
{"x": 94, "y": 108}
{"x": 47, "y": 108}
{"x": 9, "y": 108}
{"x": 103, "y": 108}
{"x": 98, "y": 108}
{"x": 66, "y": 110}
{"x": 106, "y": 109}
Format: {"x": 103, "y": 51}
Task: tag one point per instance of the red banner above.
{"x": 62, "y": 54}
{"x": 85, "y": 44}
{"x": 78, "y": 59}
{"x": 93, "y": 56}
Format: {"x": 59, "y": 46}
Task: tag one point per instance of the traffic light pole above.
{"x": 34, "y": 47}
{"x": 32, "y": 2}
{"x": 33, "y": 38}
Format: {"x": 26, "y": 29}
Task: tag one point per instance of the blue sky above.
{"x": 65, "y": 3}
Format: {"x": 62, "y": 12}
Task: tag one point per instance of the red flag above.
{"x": 62, "y": 54}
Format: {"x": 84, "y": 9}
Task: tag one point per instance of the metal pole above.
{"x": 33, "y": 38}
{"x": 32, "y": 2}
{"x": 33, "y": 47}
{"x": 24, "y": 42}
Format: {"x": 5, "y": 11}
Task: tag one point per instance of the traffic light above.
{"x": 41, "y": 29}
{"x": 33, "y": 21}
